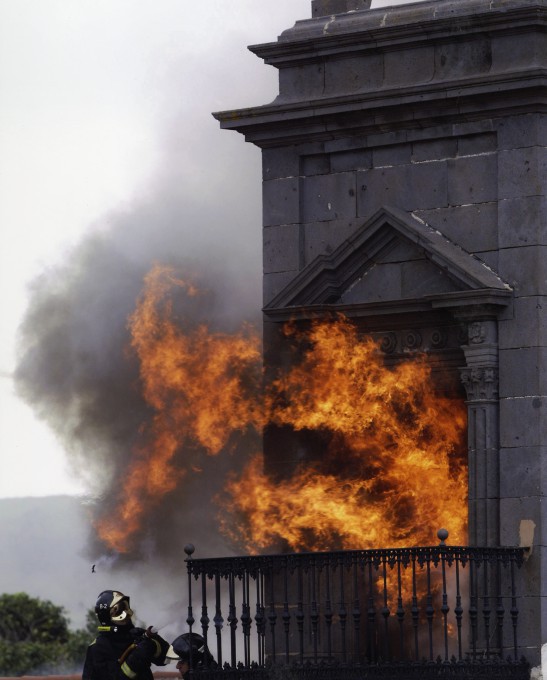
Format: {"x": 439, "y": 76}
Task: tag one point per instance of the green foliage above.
{"x": 29, "y": 619}
{"x": 35, "y": 637}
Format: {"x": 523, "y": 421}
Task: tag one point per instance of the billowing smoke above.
{"x": 75, "y": 367}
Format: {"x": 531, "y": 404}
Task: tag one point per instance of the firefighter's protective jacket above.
{"x": 119, "y": 653}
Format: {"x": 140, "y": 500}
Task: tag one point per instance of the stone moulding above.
{"x": 312, "y": 59}
{"x": 322, "y": 283}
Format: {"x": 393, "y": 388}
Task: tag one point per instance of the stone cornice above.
{"x": 407, "y": 106}
{"x": 494, "y": 301}
{"x": 416, "y": 24}
{"x": 313, "y": 96}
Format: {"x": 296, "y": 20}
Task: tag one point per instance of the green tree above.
{"x": 29, "y": 619}
{"x": 35, "y": 636}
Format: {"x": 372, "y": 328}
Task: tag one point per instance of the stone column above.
{"x": 480, "y": 378}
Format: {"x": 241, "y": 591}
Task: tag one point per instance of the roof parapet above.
{"x": 322, "y": 8}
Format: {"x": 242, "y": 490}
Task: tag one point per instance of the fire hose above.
{"x": 149, "y": 633}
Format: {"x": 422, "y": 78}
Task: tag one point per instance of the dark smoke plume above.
{"x": 75, "y": 369}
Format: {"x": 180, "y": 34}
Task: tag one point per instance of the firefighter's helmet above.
{"x": 112, "y": 607}
{"x": 191, "y": 645}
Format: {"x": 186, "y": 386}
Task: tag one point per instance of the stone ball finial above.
{"x": 323, "y": 8}
{"x": 442, "y": 535}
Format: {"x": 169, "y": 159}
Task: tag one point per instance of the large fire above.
{"x": 391, "y": 471}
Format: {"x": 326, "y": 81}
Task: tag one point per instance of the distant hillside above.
{"x": 42, "y": 551}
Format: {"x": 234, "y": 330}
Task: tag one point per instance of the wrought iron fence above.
{"x": 448, "y": 611}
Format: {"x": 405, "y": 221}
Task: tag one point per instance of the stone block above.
{"x": 420, "y": 278}
{"x": 471, "y": 145}
{"x": 473, "y": 127}
{"x": 299, "y": 83}
{"x": 459, "y": 58}
{"x": 522, "y": 172}
{"x": 473, "y": 227}
{"x": 524, "y": 269}
{"x": 329, "y": 197}
{"x": 280, "y": 201}
{"x": 280, "y": 163}
{"x": 434, "y": 150}
{"x": 513, "y": 511}
{"x": 402, "y": 251}
{"x": 524, "y": 323}
{"x": 410, "y": 66}
{"x": 539, "y": 554}
{"x": 386, "y": 156}
{"x": 521, "y": 471}
{"x": 522, "y": 221}
{"x": 354, "y": 74}
{"x": 517, "y": 132}
{"x": 523, "y": 372}
{"x": 317, "y": 164}
{"x": 345, "y": 161}
{"x": 339, "y": 144}
{"x": 380, "y": 283}
{"x": 389, "y": 137}
{"x": 523, "y": 421}
{"x": 321, "y": 238}
{"x": 490, "y": 258}
{"x": 275, "y": 283}
{"x": 512, "y": 54}
{"x": 472, "y": 179}
{"x": 281, "y": 248}
{"x": 409, "y": 187}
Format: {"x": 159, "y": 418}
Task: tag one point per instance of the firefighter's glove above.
{"x": 156, "y": 646}
{"x": 137, "y": 634}
{"x": 163, "y": 648}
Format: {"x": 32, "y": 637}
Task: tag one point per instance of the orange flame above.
{"x": 390, "y": 475}
{"x": 194, "y": 382}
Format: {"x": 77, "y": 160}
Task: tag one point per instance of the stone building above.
{"x": 404, "y": 180}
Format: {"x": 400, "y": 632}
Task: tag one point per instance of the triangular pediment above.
{"x": 393, "y": 257}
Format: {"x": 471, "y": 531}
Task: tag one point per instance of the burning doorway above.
{"x": 407, "y": 286}
{"x": 358, "y": 454}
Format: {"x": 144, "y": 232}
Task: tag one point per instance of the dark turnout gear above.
{"x": 120, "y": 651}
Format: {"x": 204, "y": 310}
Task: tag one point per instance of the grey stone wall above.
{"x": 436, "y": 109}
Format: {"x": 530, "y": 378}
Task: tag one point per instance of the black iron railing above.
{"x": 404, "y": 612}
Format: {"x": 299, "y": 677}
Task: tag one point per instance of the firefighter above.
{"x": 120, "y": 651}
{"x": 191, "y": 647}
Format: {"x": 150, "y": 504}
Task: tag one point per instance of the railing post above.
{"x": 272, "y": 616}
{"x": 189, "y": 550}
{"x": 328, "y": 611}
{"x": 232, "y": 619}
{"x": 218, "y": 620}
{"x": 415, "y": 609}
{"x": 204, "y": 611}
{"x": 443, "y": 535}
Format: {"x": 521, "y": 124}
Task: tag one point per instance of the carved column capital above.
{"x": 481, "y": 384}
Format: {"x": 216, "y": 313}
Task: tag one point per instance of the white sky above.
{"x": 86, "y": 87}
